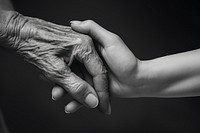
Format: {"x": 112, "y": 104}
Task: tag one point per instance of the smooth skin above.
{"x": 175, "y": 75}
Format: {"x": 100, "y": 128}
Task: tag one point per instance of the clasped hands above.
{"x": 52, "y": 49}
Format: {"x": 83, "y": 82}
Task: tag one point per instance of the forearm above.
{"x": 172, "y": 76}
{"x": 6, "y": 5}
{"x": 8, "y": 27}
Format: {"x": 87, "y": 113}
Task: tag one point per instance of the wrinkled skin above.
{"x": 52, "y": 48}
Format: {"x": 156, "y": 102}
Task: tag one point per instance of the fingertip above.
{"x": 75, "y": 22}
{"x": 78, "y": 26}
{"x": 91, "y": 100}
{"x": 53, "y": 98}
{"x": 80, "y": 90}
{"x": 93, "y": 29}
{"x": 83, "y": 26}
{"x": 101, "y": 87}
{"x": 72, "y": 107}
{"x": 57, "y": 92}
{"x": 104, "y": 105}
{"x": 67, "y": 112}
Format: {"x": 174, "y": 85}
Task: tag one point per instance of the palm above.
{"x": 122, "y": 67}
{"x": 121, "y": 80}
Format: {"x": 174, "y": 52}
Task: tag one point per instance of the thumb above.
{"x": 97, "y": 32}
{"x": 79, "y": 89}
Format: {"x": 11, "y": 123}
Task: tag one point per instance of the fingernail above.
{"x": 57, "y": 93}
{"x": 91, "y": 100}
{"x": 53, "y": 98}
{"x": 75, "y": 22}
{"x": 67, "y": 112}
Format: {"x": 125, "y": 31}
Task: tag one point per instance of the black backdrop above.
{"x": 150, "y": 29}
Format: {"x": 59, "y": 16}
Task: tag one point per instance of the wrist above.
{"x": 10, "y": 22}
{"x": 5, "y": 21}
{"x": 146, "y": 79}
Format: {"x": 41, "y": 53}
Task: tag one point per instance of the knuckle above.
{"x": 79, "y": 90}
{"x": 85, "y": 49}
{"x": 89, "y": 22}
{"x": 55, "y": 63}
{"x": 115, "y": 37}
{"x": 101, "y": 83}
{"x": 87, "y": 40}
{"x": 54, "y": 69}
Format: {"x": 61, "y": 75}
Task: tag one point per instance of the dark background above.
{"x": 150, "y": 29}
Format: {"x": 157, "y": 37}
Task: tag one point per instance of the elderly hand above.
{"x": 52, "y": 48}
